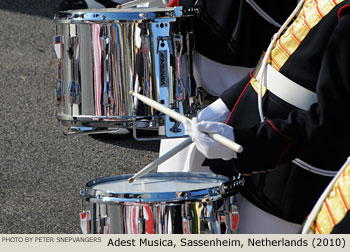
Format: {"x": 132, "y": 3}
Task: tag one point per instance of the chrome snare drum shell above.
{"x": 105, "y": 53}
{"x": 162, "y": 203}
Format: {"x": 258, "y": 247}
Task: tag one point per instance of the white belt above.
{"x": 299, "y": 97}
{"x": 288, "y": 90}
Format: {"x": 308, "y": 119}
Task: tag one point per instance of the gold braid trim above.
{"x": 335, "y": 206}
{"x": 310, "y": 15}
{"x": 255, "y": 85}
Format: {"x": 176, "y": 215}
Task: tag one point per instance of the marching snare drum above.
{"x": 161, "y": 203}
{"x": 105, "y": 53}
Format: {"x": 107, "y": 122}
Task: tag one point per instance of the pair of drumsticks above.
{"x": 178, "y": 117}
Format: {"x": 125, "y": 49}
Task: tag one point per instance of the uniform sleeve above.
{"x": 232, "y": 94}
{"x": 323, "y": 132}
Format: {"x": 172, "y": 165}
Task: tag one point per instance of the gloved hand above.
{"x": 205, "y": 144}
{"x": 215, "y": 112}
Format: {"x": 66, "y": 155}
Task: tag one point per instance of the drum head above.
{"x": 156, "y": 186}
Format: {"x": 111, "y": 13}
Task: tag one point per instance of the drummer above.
{"x": 226, "y": 50}
{"x": 298, "y": 136}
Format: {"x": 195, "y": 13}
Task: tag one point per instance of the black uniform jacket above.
{"x": 232, "y": 32}
{"x": 319, "y": 136}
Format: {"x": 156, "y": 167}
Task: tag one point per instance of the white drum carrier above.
{"x": 160, "y": 203}
{"x": 105, "y": 53}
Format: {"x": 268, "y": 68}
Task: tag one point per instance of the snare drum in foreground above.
{"x": 105, "y": 53}
{"x": 160, "y": 203}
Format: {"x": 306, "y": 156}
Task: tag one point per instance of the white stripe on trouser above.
{"x": 253, "y": 220}
{"x": 300, "y": 163}
{"x": 93, "y": 4}
{"x": 215, "y": 77}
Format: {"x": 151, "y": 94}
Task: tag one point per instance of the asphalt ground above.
{"x": 41, "y": 170}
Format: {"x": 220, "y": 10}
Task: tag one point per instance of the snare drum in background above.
{"x": 160, "y": 203}
{"x": 105, "y": 53}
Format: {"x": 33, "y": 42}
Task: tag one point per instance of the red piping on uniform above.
{"x": 342, "y": 198}
{"x": 228, "y": 119}
{"x": 274, "y": 62}
{"x": 306, "y": 23}
{"x": 340, "y": 11}
{"x": 287, "y": 137}
{"x": 295, "y": 36}
{"x": 329, "y": 212}
{"x": 319, "y": 11}
{"x": 283, "y": 48}
{"x": 318, "y": 228}
{"x": 173, "y": 3}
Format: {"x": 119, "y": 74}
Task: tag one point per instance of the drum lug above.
{"x": 59, "y": 49}
{"x": 180, "y": 87}
{"x": 74, "y": 92}
{"x": 229, "y": 214}
{"x": 208, "y": 215}
{"x": 108, "y": 98}
{"x": 141, "y": 222}
{"x": 172, "y": 127}
{"x": 74, "y": 86}
{"x": 60, "y": 91}
{"x": 146, "y": 67}
{"x": 73, "y": 47}
{"x": 187, "y": 218}
{"x": 168, "y": 40}
{"x": 59, "y": 46}
{"x": 85, "y": 222}
{"x": 191, "y": 82}
{"x": 234, "y": 217}
{"x": 104, "y": 225}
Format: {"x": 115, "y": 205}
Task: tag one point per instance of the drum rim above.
{"x": 186, "y": 195}
{"x": 115, "y": 15}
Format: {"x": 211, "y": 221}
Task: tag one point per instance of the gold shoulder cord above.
{"x": 310, "y": 15}
{"x": 335, "y": 206}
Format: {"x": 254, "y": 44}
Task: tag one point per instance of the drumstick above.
{"x": 177, "y": 116}
{"x": 161, "y": 159}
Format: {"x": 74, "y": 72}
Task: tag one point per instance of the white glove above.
{"x": 215, "y": 112}
{"x": 205, "y": 144}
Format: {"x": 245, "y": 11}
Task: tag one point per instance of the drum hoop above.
{"x": 87, "y": 118}
{"x": 130, "y": 14}
{"x": 213, "y": 193}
